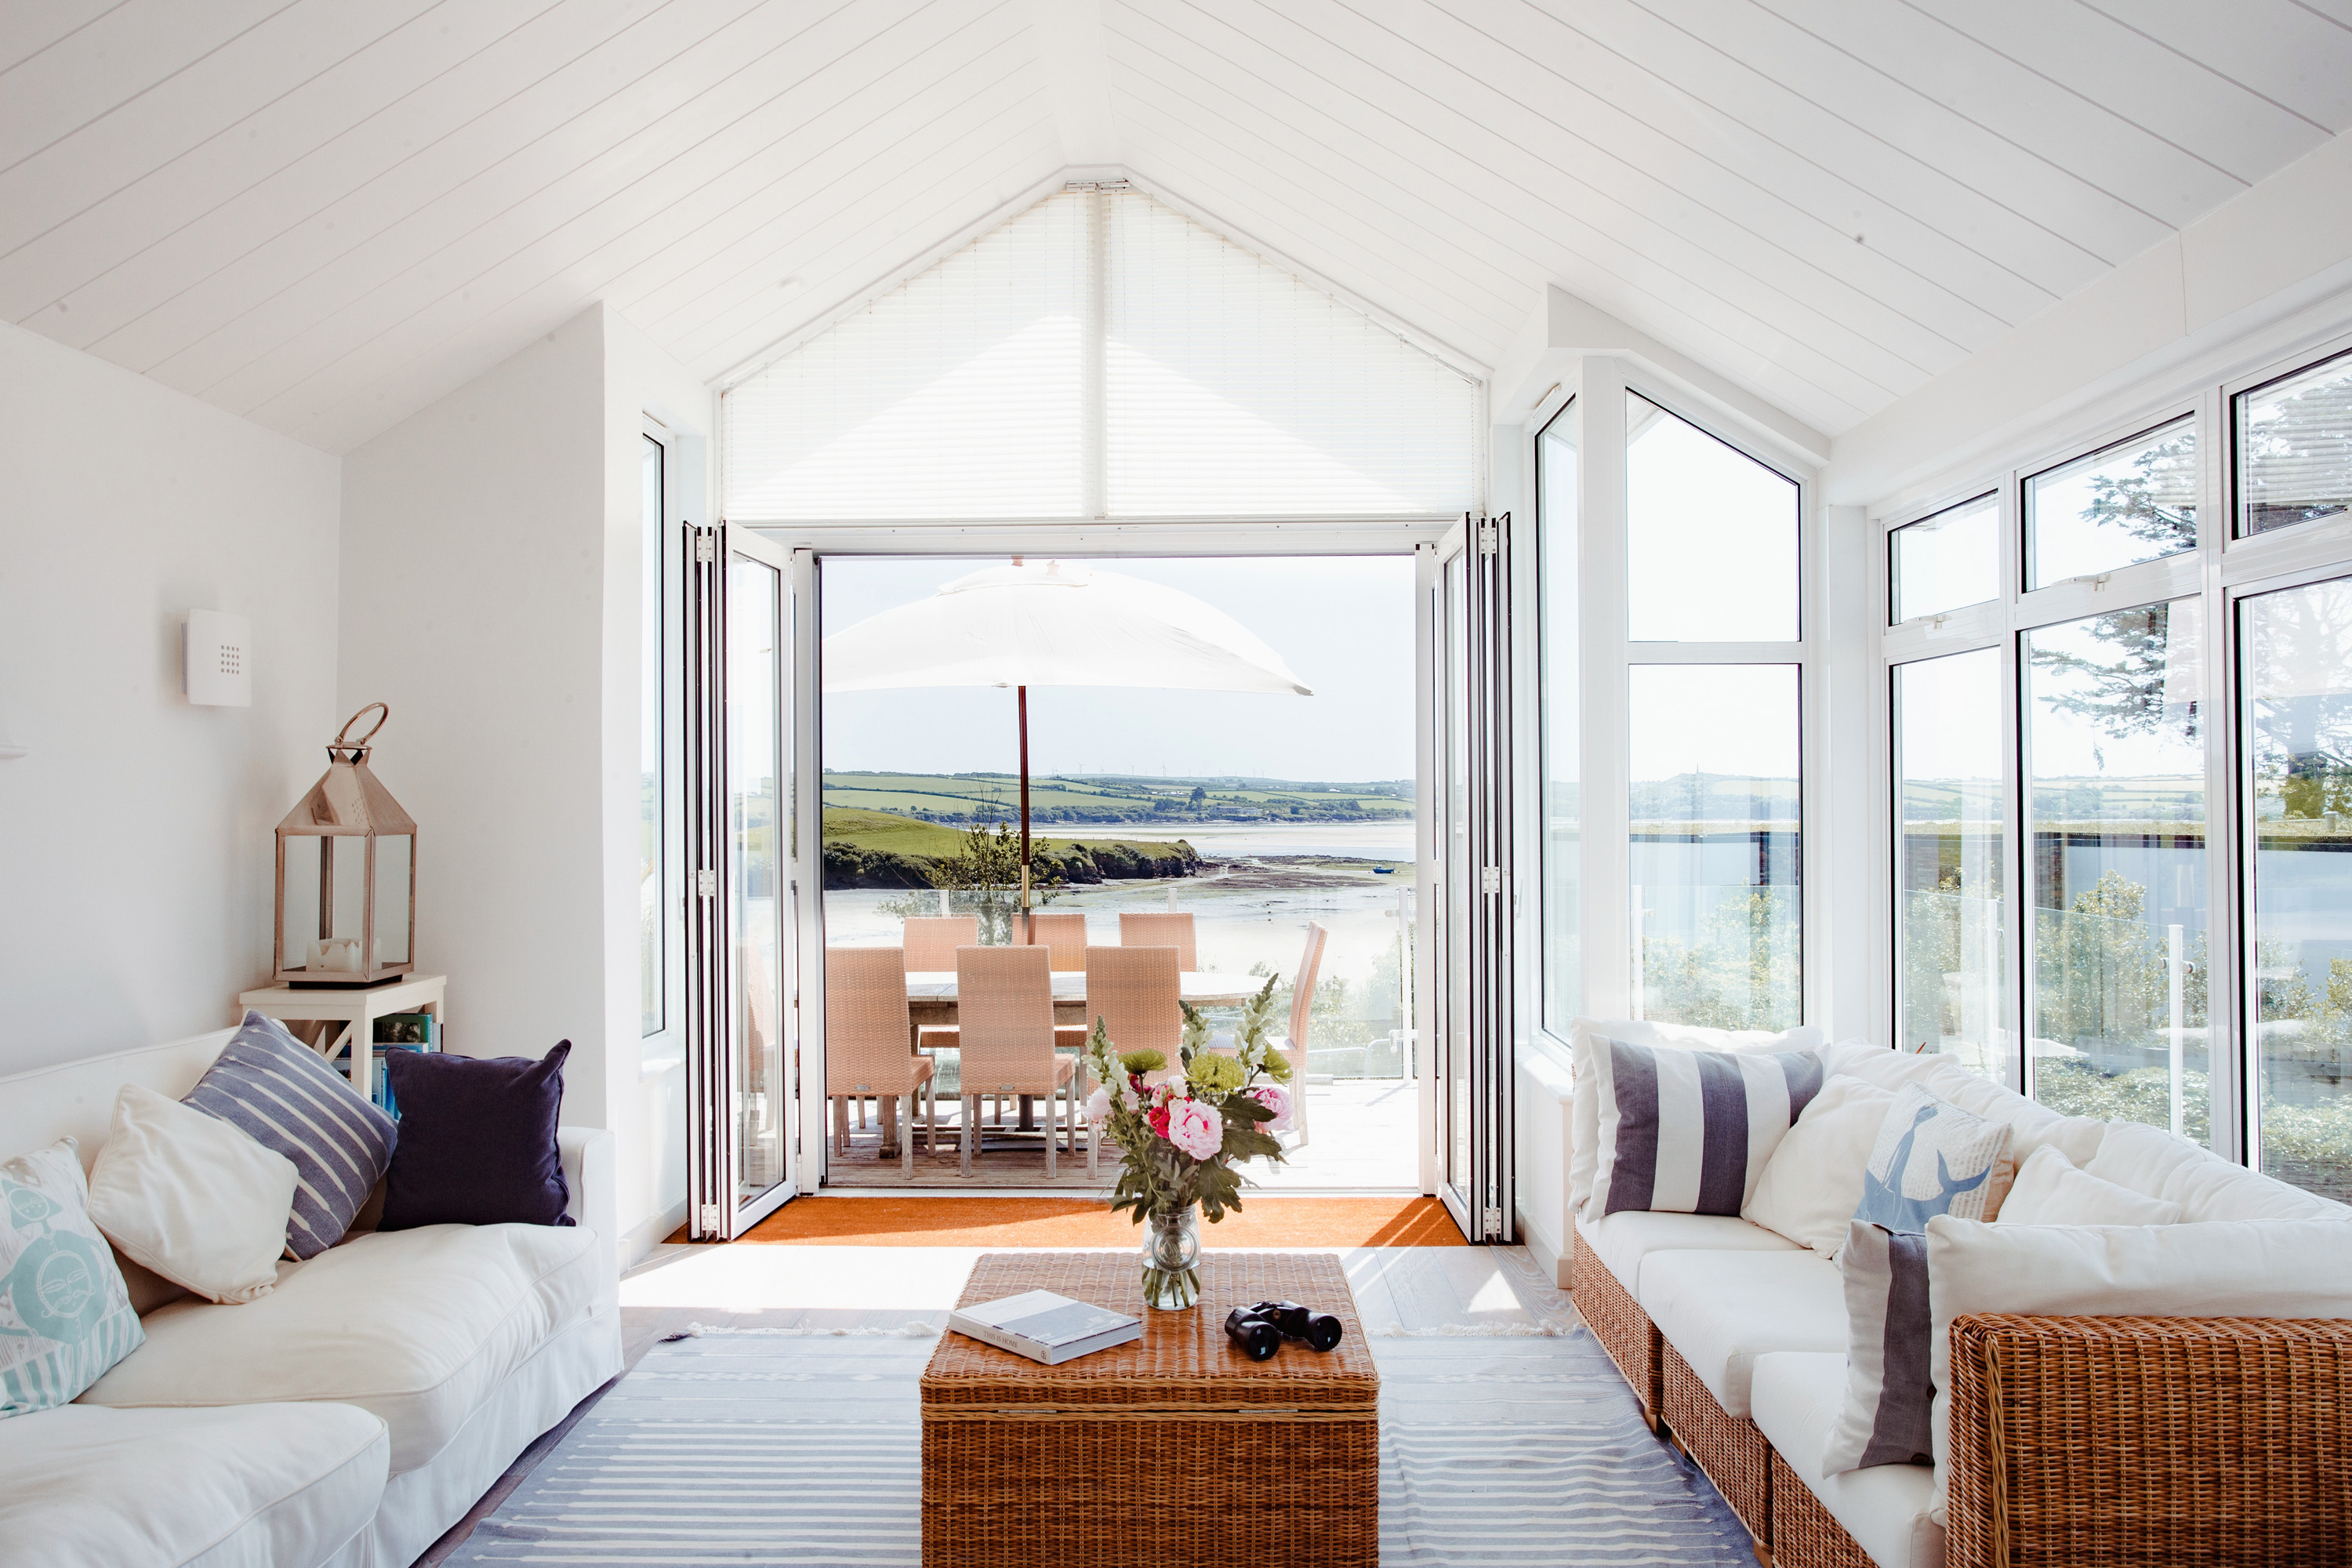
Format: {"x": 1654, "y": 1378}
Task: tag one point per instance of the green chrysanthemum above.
{"x": 1143, "y": 1061}
{"x": 1216, "y": 1074}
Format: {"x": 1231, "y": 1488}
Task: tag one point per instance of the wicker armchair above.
{"x": 1004, "y": 1019}
{"x": 865, "y": 1047}
{"x": 1169, "y": 927}
{"x": 2106, "y": 1442}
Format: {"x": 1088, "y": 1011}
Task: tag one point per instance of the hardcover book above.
{"x": 1045, "y": 1327}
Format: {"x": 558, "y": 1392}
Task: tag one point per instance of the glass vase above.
{"x": 1172, "y": 1258}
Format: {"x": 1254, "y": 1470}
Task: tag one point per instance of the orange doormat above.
{"x": 1078, "y": 1222}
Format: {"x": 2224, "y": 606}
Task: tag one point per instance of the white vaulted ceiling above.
{"x": 324, "y": 214}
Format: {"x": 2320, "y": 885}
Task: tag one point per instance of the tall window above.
{"x": 2295, "y": 668}
{"x": 1715, "y": 903}
{"x": 2116, "y": 813}
{"x": 2162, "y": 708}
{"x": 1563, "y": 849}
{"x": 653, "y": 967}
{"x": 1951, "y": 899}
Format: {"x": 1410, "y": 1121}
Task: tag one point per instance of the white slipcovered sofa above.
{"x": 348, "y": 1417}
{"x": 1735, "y": 1339}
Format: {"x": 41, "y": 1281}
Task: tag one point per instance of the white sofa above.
{"x": 1735, "y": 1337}
{"x": 349, "y": 1417}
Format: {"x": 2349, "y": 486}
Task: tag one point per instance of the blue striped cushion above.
{"x": 283, "y": 1094}
{"x": 1689, "y": 1132}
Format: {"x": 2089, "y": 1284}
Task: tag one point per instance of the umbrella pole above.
{"x": 1022, "y": 696}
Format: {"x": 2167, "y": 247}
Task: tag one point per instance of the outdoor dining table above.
{"x": 931, "y": 1002}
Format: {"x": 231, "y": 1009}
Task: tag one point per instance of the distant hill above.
{"x": 959, "y": 799}
{"x": 875, "y": 849}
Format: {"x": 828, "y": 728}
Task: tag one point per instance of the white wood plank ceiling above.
{"x": 324, "y": 214}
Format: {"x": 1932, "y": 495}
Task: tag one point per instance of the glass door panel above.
{"x": 757, "y": 909}
{"x": 1454, "y": 1046}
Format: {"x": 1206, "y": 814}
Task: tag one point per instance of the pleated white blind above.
{"x": 956, "y": 396}
{"x": 1102, "y": 355}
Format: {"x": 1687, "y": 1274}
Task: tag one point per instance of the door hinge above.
{"x": 1490, "y": 879}
{"x": 1490, "y": 539}
{"x": 706, "y": 884}
{"x": 1493, "y": 1225}
{"x": 711, "y": 1220}
{"x": 705, "y": 547}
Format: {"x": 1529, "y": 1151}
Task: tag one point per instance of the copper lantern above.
{"x": 347, "y": 874}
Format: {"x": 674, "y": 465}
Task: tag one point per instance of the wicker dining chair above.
{"x": 1133, "y": 991}
{"x": 1293, "y": 1045}
{"x": 931, "y": 941}
{"x": 1005, "y": 1017}
{"x": 1161, "y": 928}
{"x": 865, "y": 1052}
{"x": 1064, "y": 938}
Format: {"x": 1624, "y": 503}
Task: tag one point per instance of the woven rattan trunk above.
{"x": 1729, "y": 1449}
{"x": 1618, "y": 1321}
{"x": 1177, "y": 1452}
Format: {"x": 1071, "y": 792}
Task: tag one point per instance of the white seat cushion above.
{"x": 1624, "y": 1239}
{"x": 1797, "y": 1395}
{"x": 251, "y": 1485}
{"x": 418, "y": 1326}
{"x": 1720, "y": 1310}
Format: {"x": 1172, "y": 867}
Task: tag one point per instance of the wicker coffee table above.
{"x": 1176, "y": 1451}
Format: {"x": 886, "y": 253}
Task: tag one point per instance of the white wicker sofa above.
{"x": 350, "y": 1416}
{"x": 1735, "y": 1339}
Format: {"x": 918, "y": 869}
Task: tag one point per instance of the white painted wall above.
{"x": 490, "y": 592}
{"x": 136, "y": 842}
{"x": 473, "y": 603}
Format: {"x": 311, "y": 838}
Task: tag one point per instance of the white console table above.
{"x": 355, "y": 1009}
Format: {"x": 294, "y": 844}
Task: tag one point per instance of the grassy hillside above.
{"x": 876, "y": 849}
{"x": 964, "y": 797}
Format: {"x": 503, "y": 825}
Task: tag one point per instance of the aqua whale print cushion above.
{"x": 1932, "y": 1158}
{"x": 65, "y": 1313}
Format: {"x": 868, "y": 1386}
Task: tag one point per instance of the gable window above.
{"x": 1103, "y": 356}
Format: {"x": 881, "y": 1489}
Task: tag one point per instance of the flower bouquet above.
{"x": 1179, "y": 1137}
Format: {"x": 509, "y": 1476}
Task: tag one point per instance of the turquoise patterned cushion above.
{"x": 65, "y": 1313}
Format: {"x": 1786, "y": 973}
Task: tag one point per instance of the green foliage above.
{"x": 1742, "y": 974}
{"x": 2156, "y": 499}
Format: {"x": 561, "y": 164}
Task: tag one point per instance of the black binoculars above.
{"x": 1260, "y": 1330}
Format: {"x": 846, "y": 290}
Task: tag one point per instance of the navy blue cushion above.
{"x": 283, "y": 1094}
{"x": 477, "y": 1140}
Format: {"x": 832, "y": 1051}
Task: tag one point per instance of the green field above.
{"x": 967, "y": 797}
{"x": 876, "y": 849}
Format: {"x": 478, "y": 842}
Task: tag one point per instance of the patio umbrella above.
{"x": 1060, "y": 624}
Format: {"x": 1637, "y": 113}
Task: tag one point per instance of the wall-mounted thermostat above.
{"x": 220, "y": 659}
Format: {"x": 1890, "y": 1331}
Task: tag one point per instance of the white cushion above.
{"x": 2250, "y": 1268}
{"x": 192, "y": 1197}
{"x": 2153, "y": 1163}
{"x": 1720, "y": 1310}
{"x": 418, "y": 1326}
{"x": 1622, "y": 1240}
{"x": 251, "y": 1484}
{"x": 1813, "y": 1181}
{"x": 2049, "y": 1190}
{"x": 1584, "y": 1113}
{"x": 1887, "y": 1508}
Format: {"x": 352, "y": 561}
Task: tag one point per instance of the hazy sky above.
{"x": 1344, "y": 625}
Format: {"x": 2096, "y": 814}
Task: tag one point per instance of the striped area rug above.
{"x": 747, "y": 1448}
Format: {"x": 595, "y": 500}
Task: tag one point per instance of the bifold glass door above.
{"x": 741, "y": 1054}
{"x": 1467, "y": 877}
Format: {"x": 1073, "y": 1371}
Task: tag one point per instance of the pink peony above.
{"x": 1196, "y": 1129}
{"x": 1276, "y": 1099}
{"x": 1098, "y": 1108}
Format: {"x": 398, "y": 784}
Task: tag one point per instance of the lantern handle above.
{"x": 344, "y": 742}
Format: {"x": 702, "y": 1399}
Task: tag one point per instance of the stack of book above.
{"x": 395, "y": 1032}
